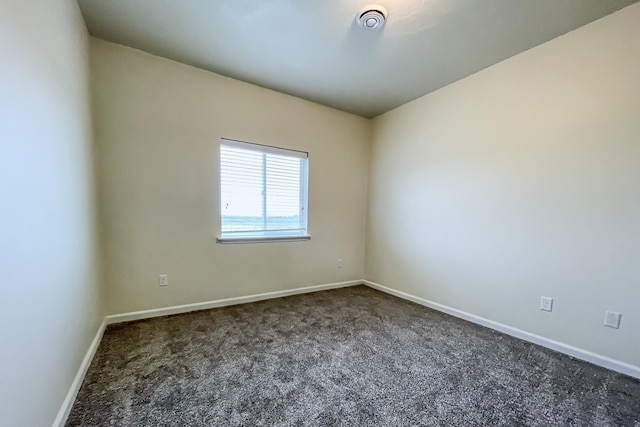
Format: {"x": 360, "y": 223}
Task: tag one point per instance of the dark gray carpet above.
{"x": 352, "y": 357}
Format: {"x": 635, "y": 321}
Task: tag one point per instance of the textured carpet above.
{"x": 353, "y": 357}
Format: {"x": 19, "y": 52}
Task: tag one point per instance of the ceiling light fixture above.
{"x": 372, "y": 17}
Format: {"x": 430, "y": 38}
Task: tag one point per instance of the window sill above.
{"x": 237, "y": 240}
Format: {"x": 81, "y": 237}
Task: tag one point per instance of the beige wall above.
{"x": 520, "y": 181}
{"x": 49, "y": 295}
{"x": 158, "y": 125}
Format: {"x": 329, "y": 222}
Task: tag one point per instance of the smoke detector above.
{"x": 372, "y": 17}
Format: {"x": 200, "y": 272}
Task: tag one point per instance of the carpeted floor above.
{"x": 345, "y": 357}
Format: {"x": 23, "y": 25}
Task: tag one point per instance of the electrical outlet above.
{"x": 339, "y": 263}
{"x": 546, "y": 303}
{"x": 163, "y": 280}
{"x": 612, "y": 319}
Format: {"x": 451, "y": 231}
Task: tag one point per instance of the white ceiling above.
{"x": 313, "y": 48}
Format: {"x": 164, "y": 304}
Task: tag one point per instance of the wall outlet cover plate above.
{"x": 612, "y": 319}
{"x": 546, "y": 303}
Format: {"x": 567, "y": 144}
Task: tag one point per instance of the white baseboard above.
{"x": 177, "y": 309}
{"x": 70, "y": 398}
{"x": 578, "y": 353}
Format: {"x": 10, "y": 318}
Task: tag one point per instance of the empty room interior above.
{"x": 320, "y": 213}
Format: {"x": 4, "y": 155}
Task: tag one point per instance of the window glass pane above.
{"x": 241, "y": 174}
{"x": 283, "y": 192}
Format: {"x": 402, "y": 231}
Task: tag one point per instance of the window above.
{"x": 263, "y": 193}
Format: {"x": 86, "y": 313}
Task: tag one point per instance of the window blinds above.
{"x": 263, "y": 191}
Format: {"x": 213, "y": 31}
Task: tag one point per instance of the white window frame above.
{"x": 267, "y": 236}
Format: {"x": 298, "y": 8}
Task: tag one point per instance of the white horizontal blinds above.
{"x": 263, "y": 190}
